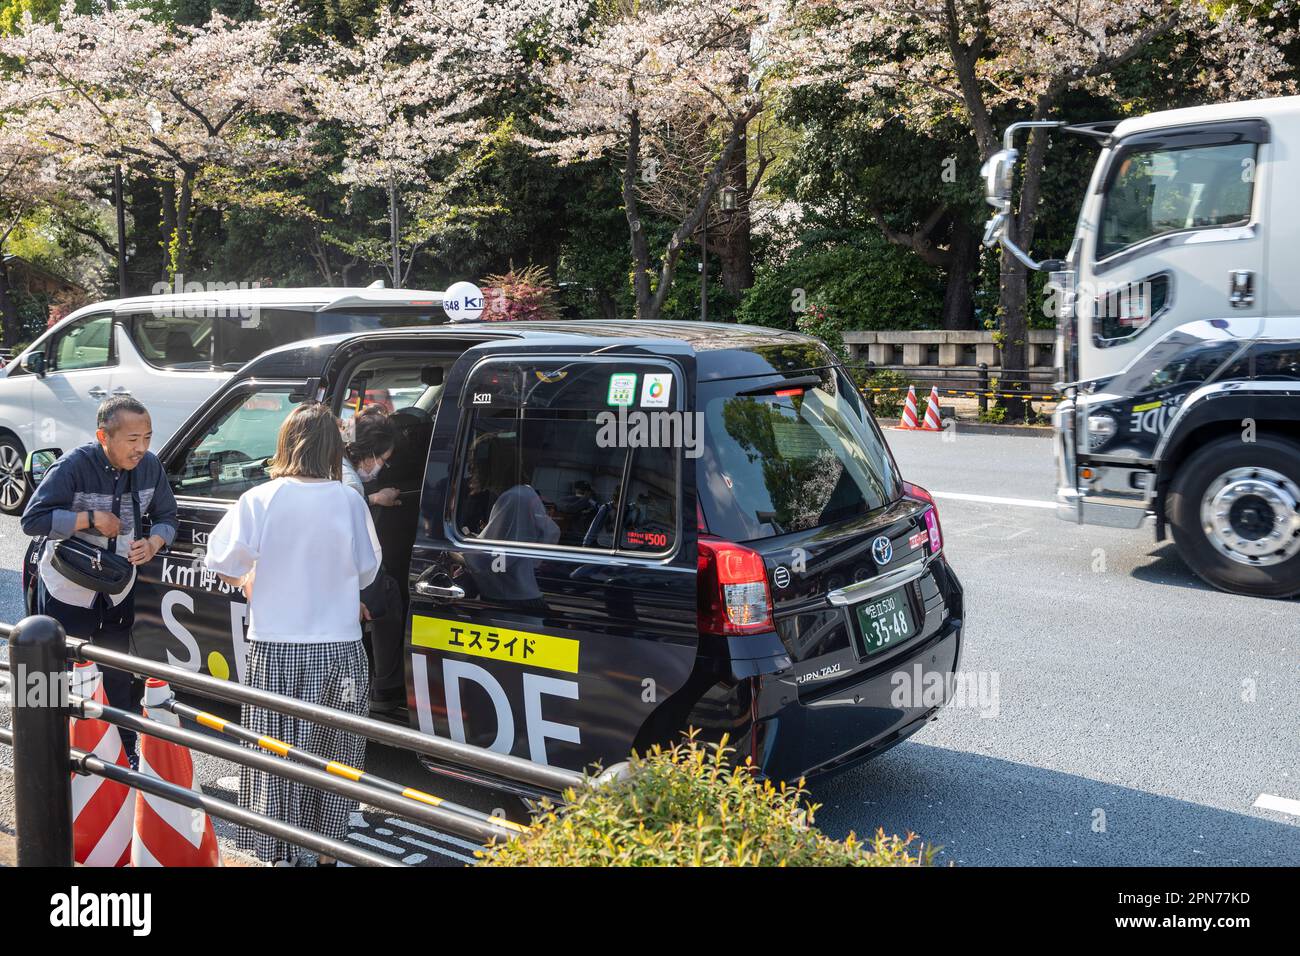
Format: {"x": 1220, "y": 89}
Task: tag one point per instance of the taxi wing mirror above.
{"x": 39, "y": 463}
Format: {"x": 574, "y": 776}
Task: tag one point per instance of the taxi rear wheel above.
{"x": 13, "y": 482}
{"x": 1234, "y": 508}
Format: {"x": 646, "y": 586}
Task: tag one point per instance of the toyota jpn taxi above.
{"x": 717, "y": 538}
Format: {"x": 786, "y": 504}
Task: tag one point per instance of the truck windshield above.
{"x": 790, "y": 459}
{"x": 1156, "y": 191}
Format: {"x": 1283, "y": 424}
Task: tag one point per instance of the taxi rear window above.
{"x": 777, "y": 460}
{"x": 551, "y": 458}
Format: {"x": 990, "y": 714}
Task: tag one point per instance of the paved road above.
{"x": 1139, "y": 716}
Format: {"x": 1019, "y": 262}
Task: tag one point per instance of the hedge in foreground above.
{"x": 689, "y": 805}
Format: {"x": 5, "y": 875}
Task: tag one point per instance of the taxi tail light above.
{"x": 733, "y": 593}
{"x": 931, "y": 516}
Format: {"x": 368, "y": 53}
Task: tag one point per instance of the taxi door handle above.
{"x": 445, "y": 591}
{"x": 96, "y": 391}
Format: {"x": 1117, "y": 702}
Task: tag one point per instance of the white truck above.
{"x": 1178, "y": 342}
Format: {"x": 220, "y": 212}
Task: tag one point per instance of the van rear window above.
{"x": 778, "y": 460}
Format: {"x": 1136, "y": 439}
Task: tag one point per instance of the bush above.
{"x": 871, "y": 284}
{"x": 689, "y": 805}
{"x": 888, "y": 404}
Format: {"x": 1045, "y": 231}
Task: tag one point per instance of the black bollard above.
{"x": 42, "y": 764}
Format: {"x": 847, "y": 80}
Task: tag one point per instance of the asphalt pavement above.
{"x": 1119, "y": 711}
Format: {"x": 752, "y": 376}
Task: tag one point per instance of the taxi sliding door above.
{"x": 553, "y": 604}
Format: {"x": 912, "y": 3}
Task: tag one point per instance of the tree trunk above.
{"x": 12, "y": 324}
{"x": 1014, "y": 294}
{"x": 1011, "y": 300}
{"x": 640, "y": 248}
{"x": 167, "y": 189}
{"x": 184, "y": 206}
{"x": 963, "y": 260}
{"x": 731, "y": 243}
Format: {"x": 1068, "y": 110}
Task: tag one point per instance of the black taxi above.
{"x": 722, "y": 539}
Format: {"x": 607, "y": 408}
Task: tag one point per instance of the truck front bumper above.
{"x": 1079, "y": 501}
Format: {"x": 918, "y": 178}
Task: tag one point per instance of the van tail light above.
{"x": 932, "y": 526}
{"x": 733, "y": 593}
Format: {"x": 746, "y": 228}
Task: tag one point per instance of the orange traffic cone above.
{"x": 167, "y": 834}
{"x": 932, "y": 422}
{"x": 909, "y": 409}
{"x": 101, "y": 808}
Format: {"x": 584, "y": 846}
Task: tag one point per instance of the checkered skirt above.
{"x": 334, "y": 675}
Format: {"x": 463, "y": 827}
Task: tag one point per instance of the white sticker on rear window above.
{"x": 622, "y": 388}
{"x": 655, "y": 389}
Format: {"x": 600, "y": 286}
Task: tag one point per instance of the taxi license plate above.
{"x": 886, "y": 620}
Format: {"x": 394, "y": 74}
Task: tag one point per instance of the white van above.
{"x": 170, "y": 352}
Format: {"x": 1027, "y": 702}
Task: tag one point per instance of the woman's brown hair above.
{"x": 309, "y": 445}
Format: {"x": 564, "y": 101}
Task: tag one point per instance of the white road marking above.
{"x": 995, "y": 500}
{"x": 433, "y": 834}
{"x": 377, "y": 844}
{"x": 1267, "y": 801}
{"x": 437, "y": 849}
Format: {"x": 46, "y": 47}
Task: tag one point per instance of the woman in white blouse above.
{"x": 309, "y": 542}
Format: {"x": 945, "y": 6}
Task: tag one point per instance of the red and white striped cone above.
{"x": 167, "y": 834}
{"x": 932, "y": 420}
{"x": 909, "y": 409}
{"x": 101, "y": 808}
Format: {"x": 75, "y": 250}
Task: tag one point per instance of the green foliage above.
{"x": 887, "y": 404}
{"x": 690, "y": 805}
{"x": 865, "y": 281}
{"x": 994, "y": 415}
{"x": 11, "y": 12}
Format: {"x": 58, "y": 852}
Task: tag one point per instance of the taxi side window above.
{"x": 545, "y": 463}
{"x": 650, "y": 513}
{"x": 231, "y": 456}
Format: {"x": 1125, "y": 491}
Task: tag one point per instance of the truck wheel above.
{"x": 1235, "y": 512}
{"x": 13, "y": 482}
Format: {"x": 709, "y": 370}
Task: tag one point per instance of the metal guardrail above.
{"x": 44, "y": 760}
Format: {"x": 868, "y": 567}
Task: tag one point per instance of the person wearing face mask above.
{"x": 366, "y": 451}
{"x": 370, "y": 441}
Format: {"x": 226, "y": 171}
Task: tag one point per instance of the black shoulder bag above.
{"x": 93, "y": 567}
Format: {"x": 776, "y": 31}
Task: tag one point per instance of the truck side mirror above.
{"x": 39, "y": 462}
{"x": 997, "y": 171}
{"x": 34, "y": 362}
{"x": 995, "y": 229}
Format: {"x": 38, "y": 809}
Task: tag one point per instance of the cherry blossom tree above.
{"x": 115, "y": 87}
{"x": 417, "y": 89}
{"x": 669, "y": 87}
{"x": 31, "y": 177}
{"x": 1018, "y": 59}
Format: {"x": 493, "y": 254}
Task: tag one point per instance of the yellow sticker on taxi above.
{"x": 498, "y": 643}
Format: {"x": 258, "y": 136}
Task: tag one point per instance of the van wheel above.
{"x": 1234, "y": 508}
{"x": 13, "y": 482}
